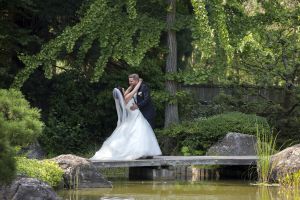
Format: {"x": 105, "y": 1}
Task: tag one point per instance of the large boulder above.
{"x": 28, "y": 189}
{"x": 234, "y": 144}
{"x": 286, "y": 162}
{"x": 80, "y": 173}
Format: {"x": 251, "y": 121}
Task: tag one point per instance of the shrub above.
{"x": 280, "y": 109}
{"x": 21, "y": 123}
{"x": 7, "y": 162}
{"x": 195, "y": 137}
{"x": 44, "y": 170}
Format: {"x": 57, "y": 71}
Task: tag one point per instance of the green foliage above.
{"x": 44, "y": 170}
{"x": 268, "y": 55}
{"x": 162, "y": 97}
{"x": 21, "y": 123}
{"x": 195, "y": 137}
{"x": 235, "y": 42}
{"x": 118, "y": 35}
{"x": 14, "y": 37}
{"x": 7, "y": 161}
{"x": 202, "y": 32}
{"x": 291, "y": 181}
{"x": 239, "y": 101}
{"x": 286, "y": 121}
{"x": 27, "y": 24}
{"x": 254, "y": 43}
{"x": 218, "y": 18}
{"x": 213, "y": 51}
{"x": 265, "y": 147}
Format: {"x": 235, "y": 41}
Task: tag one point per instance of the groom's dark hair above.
{"x": 134, "y": 76}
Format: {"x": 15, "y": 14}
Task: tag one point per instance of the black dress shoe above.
{"x": 145, "y": 157}
{"x": 149, "y": 157}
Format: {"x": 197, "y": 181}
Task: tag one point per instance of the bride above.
{"x": 133, "y": 137}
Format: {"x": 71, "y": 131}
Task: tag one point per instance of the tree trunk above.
{"x": 171, "y": 110}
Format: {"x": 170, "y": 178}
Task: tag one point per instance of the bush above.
{"x": 45, "y": 170}
{"x": 7, "y": 162}
{"x": 195, "y": 137}
{"x": 281, "y": 109}
{"x": 21, "y": 124}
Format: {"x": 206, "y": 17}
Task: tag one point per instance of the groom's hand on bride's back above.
{"x": 134, "y": 107}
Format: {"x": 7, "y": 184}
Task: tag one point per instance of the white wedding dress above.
{"x": 132, "y": 139}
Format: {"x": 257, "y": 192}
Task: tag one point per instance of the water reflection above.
{"x": 204, "y": 190}
{"x": 115, "y": 198}
{"x": 278, "y": 193}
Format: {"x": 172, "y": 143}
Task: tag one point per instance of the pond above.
{"x": 180, "y": 190}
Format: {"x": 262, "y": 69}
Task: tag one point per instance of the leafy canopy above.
{"x": 117, "y": 29}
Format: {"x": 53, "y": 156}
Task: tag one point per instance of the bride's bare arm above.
{"x": 136, "y": 88}
{"x": 128, "y": 90}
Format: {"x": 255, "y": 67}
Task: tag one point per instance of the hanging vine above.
{"x": 120, "y": 36}
{"x": 221, "y": 31}
{"x": 202, "y": 32}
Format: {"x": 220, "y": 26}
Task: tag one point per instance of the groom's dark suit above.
{"x": 145, "y": 104}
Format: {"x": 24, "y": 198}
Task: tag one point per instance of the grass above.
{"x": 265, "y": 147}
{"x": 289, "y": 184}
{"x": 291, "y": 181}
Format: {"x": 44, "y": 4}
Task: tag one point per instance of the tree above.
{"x": 269, "y": 56}
{"x": 27, "y": 24}
{"x": 7, "y": 161}
{"x": 257, "y": 43}
{"x": 107, "y": 28}
{"x": 171, "y": 110}
{"x": 19, "y": 125}
{"x": 14, "y": 36}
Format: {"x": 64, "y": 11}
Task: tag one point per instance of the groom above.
{"x": 143, "y": 99}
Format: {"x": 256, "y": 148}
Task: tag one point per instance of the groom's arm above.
{"x": 146, "y": 93}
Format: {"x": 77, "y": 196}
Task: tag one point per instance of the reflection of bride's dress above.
{"x": 132, "y": 139}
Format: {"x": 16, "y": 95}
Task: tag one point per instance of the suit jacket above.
{"x": 144, "y": 102}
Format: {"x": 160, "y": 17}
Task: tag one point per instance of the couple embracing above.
{"x": 133, "y": 137}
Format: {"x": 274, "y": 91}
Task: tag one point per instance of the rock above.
{"x": 80, "y": 172}
{"x": 234, "y": 144}
{"x": 286, "y": 162}
{"x": 28, "y": 189}
{"x": 33, "y": 151}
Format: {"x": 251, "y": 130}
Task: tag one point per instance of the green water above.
{"x": 204, "y": 190}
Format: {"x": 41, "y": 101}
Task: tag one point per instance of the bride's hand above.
{"x": 141, "y": 80}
